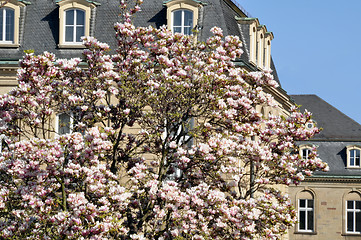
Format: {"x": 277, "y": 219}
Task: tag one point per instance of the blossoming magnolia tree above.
{"x": 201, "y": 162}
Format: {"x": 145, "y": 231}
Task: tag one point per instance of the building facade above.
{"x": 328, "y": 204}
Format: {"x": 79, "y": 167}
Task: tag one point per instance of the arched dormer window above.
{"x": 305, "y": 151}
{"x": 7, "y": 25}
{"x": 182, "y": 15}
{"x": 260, "y": 46}
{"x": 182, "y": 21}
{"x": 74, "y": 22}
{"x": 353, "y": 156}
{"x": 10, "y": 23}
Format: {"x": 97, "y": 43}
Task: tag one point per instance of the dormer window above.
{"x": 353, "y": 157}
{"x": 74, "y": 26}
{"x": 182, "y": 15}
{"x": 75, "y": 22}
{"x": 305, "y": 153}
{"x": 7, "y": 25}
{"x": 10, "y": 23}
{"x": 182, "y": 21}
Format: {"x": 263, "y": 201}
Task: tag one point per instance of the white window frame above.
{"x": 305, "y": 152}
{"x": 57, "y": 127}
{"x": 306, "y": 210}
{"x": 305, "y": 148}
{"x": 74, "y": 25}
{"x": 354, "y": 158}
{"x": 4, "y": 23}
{"x": 83, "y": 5}
{"x": 354, "y": 211}
{"x": 189, "y": 5}
{"x": 182, "y": 26}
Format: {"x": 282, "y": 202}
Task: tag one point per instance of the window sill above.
{"x": 79, "y": 46}
{"x": 351, "y": 234}
{"x": 305, "y": 233}
{"x": 9, "y": 45}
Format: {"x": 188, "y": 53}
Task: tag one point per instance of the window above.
{"x": 305, "y": 215}
{"x": 305, "y": 150}
{"x": 74, "y": 26}
{"x": 305, "y": 153}
{"x": 267, "y": 50}
{"x": 3, "y": 144}
{"x": 353, "y": 157}
{"x": 306, "y": 212}
{"x": 10, "y": 23}
{"x": 260, "y": 46}
{"x": 182, "y": 15}
{"x": 7, "y": 25}
{"x": 75, "y": 22}
{"x": 183, "y": 22}
{"x": 353, "y": 216}
{"x": 64, "y": 123}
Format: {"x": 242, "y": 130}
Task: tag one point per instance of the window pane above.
{"x": 302, "y": 220}
{"x": 9, "y": 25}
{"x": 79, "y": 33}
{"x": 187, "y": 30}
{"x": 69, "y": 34}
{"x": 302, "y": 203}
{"x": 358, "y": 222}
{"x": 358, "y": 205}
{"x": 349, "y": 204}
{"x": 350, "y": 221}
{"x": 310, "y": 220}
{"x": 188, "y": 18}
{"x": 80, "y": 17}
{"x": 64, "y": 123}
{"x": 305, "y": 153}
{"x": 177, "y": 29}
{"x": 1, "y": 23}
{"x": 310, "y": 203}
{"x": 69, "y": 17}
{"x": 352, "y": 162}
{"x": 177, "y": 18}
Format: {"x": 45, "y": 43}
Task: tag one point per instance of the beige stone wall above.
{"x": 7, "y": 79}
{"x": 329, "y": 202}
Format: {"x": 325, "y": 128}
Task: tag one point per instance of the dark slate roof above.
{"x": 339, "y": 131}
{"x": 334, "y": 153}
{"x": 336, "y": 125}
{"x": 40, "y": 26}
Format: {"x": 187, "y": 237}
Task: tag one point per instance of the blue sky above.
{"x": 317, "y": 48}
